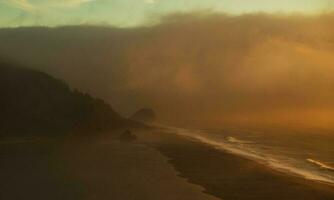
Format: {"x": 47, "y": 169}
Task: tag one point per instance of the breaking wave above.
{"x": 320, "y": 164}
{"x": 235, "y": 146}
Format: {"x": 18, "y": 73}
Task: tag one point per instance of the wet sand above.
{"x": 158, "y": 166}
{"x": 100, "y": 168}
{"x": 231, "y": 177}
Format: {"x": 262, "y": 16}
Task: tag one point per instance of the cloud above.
{"x": 31, "y": 5}
{"x": 70, "y": 3}
{"x": 151, "y": 1}
{"x": 207, "y": 69}
{"x": 21, "y": 4}
{"x": 44, "y": 12}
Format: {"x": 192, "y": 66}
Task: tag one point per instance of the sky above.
{"x": 129, "y": 13}
{"x": 208, "y": 62}
{"x": 206, "y": 71}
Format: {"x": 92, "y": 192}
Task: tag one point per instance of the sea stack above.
{"x": 144, "y": 115}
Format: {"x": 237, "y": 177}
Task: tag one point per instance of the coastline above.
{"x": 228, "y": 176}
{"x": 157, "y": 166}
{"x": 90, "y": 168}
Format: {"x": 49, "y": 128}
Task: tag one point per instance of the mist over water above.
{"x": 305, "y": 155}
{"x": 199, "y": 69}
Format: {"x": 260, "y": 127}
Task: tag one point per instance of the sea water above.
{"x": 307, "y": 154}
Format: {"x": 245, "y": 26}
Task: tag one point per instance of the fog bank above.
{"x": 196, "y": 69}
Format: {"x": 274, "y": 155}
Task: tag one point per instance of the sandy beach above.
{"x": 91, "y": 168}
{"x": 228, "y": 176}
{"x": 156, "y": 166}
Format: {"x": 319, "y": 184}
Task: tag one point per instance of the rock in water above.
{"x": 127, "y": 136}
{"x": 144, "y": 115}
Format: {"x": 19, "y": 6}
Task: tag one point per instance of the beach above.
{"x": 158, "y": 165}
{"x": 228, "y": 176}
{"x": 90, "y": 168}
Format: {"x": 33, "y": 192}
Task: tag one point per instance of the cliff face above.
{"x": 34, "y": 103}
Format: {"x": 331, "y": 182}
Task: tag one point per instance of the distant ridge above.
{"x": 34, "y": 103}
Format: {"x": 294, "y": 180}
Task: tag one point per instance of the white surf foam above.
{"x": 259, "y": 157}
{"x": 320, "y": 164}
{"x": 236, "y": 140}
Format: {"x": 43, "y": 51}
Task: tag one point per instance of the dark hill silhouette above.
{"x": 145, "y": 115}
{"x": 34, "y": 103}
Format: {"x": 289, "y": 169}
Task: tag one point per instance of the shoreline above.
{"x": 100, "y": 168}
{"x": 156, "y": 166}
{"x": 228, "y": 176}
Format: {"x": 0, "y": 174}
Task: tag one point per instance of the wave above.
{"x": 320, "y": 164}
{"x": 236, "y": 140}
{"x": 280, "y": 165}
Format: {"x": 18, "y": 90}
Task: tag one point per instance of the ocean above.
{"x": 307, "y": 154}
